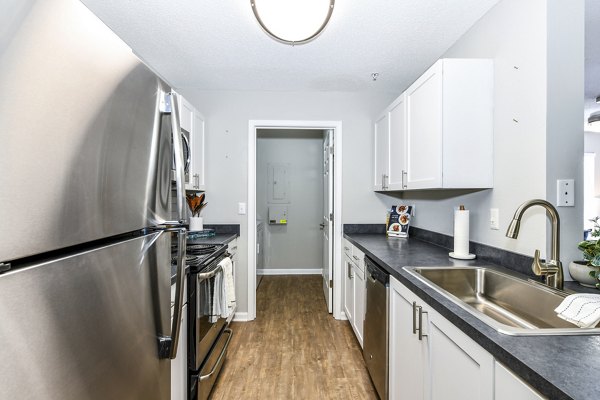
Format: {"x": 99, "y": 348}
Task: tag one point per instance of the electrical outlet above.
{"x": 565, "y": 193}
{"x": 494, "y": 219}
{"x": 242, "y": 208}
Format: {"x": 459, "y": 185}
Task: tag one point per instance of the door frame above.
{"x": 336, "y": 126}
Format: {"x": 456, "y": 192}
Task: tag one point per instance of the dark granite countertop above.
{"x": 559, "y": 367}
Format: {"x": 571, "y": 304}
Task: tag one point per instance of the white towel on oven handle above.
{"x": 228, "y": 287}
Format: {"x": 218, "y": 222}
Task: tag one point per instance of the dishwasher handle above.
{"x": 376, "y": 272}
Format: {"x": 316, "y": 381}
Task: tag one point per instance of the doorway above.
{"x": 273, "y": 205}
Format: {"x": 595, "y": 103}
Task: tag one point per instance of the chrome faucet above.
{"x": 552, "y": 269}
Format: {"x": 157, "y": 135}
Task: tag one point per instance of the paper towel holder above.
{"x": 467, "y": 256}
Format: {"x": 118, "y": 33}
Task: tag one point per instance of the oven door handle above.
{"x": 220, "y": 359}
{"x": 202, "y": 276}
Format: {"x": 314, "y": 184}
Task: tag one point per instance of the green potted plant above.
{"x": 587, "y": 272}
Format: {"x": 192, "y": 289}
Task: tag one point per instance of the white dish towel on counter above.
{"x": 224, "y": 290}
{"x": 580, "y": 309}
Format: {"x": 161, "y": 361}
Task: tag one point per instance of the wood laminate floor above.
{"x": 294, "y": 349}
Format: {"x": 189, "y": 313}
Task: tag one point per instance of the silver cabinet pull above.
{"x": 197, "y": 181}
{"x": 355, "y": 257}
{"x": 349, "y": 268}
{"x": 404, "y": 173}
{"x": 346, "y": 248}
{"x": 421, "y": 312}
{"x": 414, "y": 309}
{"x": 178, "y": 152}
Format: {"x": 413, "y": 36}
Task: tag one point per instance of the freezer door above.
{"x": 82, "y": 152}
{"x": 86, "y": 326}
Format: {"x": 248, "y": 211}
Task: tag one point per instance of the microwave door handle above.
{"x": 178, "y": 152}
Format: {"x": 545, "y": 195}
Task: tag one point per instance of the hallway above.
{"x": 294, "y": 349}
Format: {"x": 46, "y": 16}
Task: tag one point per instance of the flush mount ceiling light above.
{"x": 293, "y": 21}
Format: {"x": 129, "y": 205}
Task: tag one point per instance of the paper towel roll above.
{"x": 461, "y": 232}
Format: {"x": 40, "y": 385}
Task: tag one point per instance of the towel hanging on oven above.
{"x": 224, "y": 290}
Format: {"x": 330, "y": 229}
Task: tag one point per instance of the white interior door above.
{"x": 327, "y": 224}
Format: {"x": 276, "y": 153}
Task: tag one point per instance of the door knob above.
{"x": 322, "y": 225}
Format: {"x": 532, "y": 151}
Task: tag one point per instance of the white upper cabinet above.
{"x": 198, "y": 155}
{"x": 382, "y": 148}
{"x": 397, "y": 145}
{"x": 439, "y": 131}
{"x": 192, "y": 125}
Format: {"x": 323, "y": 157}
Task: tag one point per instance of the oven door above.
{"x": 207, "y": 376}
{"x": 205, "y": 322}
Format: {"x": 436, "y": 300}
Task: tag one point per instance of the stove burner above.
{"x": 201, "y": 249}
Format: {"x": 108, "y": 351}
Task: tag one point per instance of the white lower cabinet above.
{"x": 407, "y": 354}
{"x": 442, "y": 363}
{"x": 355, "y": 287}
{"x": 360, "y": 286}
{"x": 508, "y": 386}
{"x": 348, "y": 288}
{"x": 179, "y": 367}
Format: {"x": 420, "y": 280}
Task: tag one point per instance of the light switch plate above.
{"x": 242, "y": 208}
{"x": 494, "y": 219}
{"x": 565, "y": 193}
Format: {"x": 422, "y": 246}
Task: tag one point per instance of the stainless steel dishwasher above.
{"x": 375, "y": 350}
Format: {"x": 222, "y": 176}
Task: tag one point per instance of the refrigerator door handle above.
{"x": 179, "y": 165}
{"x": 168, "y": 345}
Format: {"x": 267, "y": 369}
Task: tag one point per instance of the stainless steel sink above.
{"x": 507, "y": 303}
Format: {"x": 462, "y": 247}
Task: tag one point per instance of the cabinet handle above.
{"x": 382, "y": 181}
{"x": 414, "y": 306}
{"x": 197, "y": 179}
{"x": 349, "y": 268}
{"x": 421, "y": 312}
{"x": 404, "y": 173}
{"x": 346, "y": 248}
{"x": 356, "y": 258}
{"x": 385, "y": 186}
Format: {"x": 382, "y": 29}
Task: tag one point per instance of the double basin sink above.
{"x": 507, "y": 303}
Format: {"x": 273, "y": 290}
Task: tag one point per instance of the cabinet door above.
{"x": 179, "y": 367}
{"x": 397, "y": 144}
{"x": 381, "y": 158}
{"x": 186, "y": 111}
{"x": 348, "y": 289}
{"x": 459, "y": 368}
{"x": 424, "y": 130}
{"x": 508, "y": 386}
{"x": 198, "y": 159}
{"x": 359, "y": 303}
{"x": 407, "y": 354}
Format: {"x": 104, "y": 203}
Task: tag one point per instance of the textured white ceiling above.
{"x": 218, "y": 45}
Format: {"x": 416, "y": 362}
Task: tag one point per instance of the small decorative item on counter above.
{"x": 196, "y": 204}
{"x": 398, "y": 221}
{"x": 587, "y": 272}
{"x": 461, "y": 235}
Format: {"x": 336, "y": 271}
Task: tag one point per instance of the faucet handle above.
{"x": 539, "y": 268}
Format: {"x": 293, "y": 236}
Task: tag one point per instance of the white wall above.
{"x": 299, "y": 244}
{"x": 535, "y": 141}
{"x": 227, "y": 115}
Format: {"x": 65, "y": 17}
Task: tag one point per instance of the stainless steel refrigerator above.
{"x": 90, "y": 149}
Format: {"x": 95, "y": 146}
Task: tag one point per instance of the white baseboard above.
{"x": 286, "y": 271}
{"x": 343, "y": 316}
{"x": 240, "y": 317}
